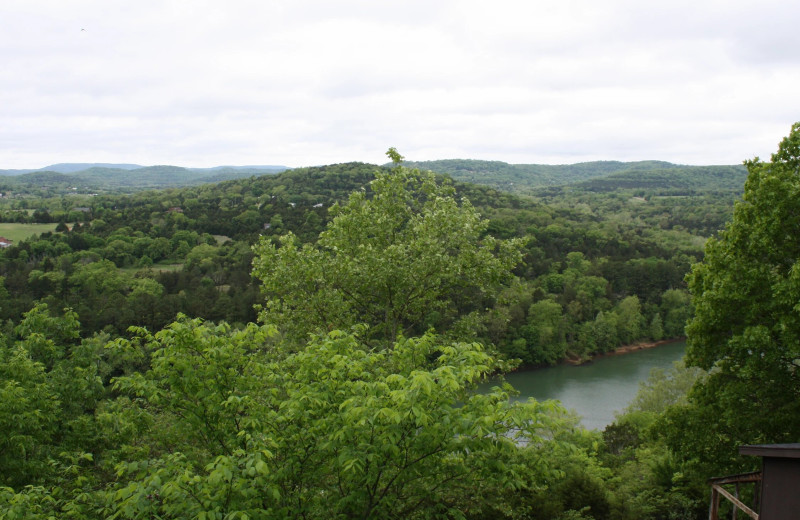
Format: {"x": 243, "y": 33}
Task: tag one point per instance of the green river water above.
{"x": 598, "y": 389}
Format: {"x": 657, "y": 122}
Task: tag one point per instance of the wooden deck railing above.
{"x": 736, "y": 480}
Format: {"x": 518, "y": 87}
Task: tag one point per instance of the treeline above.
{"x": 654, "y": 177}
{"x": 356, "y": 392}
{"x": 83, "y": 271}
{"x": 573, "y": 312}
{"x": 355, "y": 395}
{"x": 99, "y": 178}
{"x": 597, "y": 271}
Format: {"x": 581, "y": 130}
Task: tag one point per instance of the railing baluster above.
{"x": 717, "y": 490}
{"x": 713, "y": 512}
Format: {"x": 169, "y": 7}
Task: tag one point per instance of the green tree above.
{"x": 630, "y": 319}
{"x": 651, "y": 482}
{"x": 406, "y": 257}
{"x": 202, "y": 257}
{"x": 28, "y": 417}
{"x": 333, "y": 430}
{"x": 99, "y": 290}
{"x": 49, "y": 390}
{"x": 248, "y": 221}
{"x": 159, "y": 249}
{"x": 676, "y": 306}
{"x": 746, "y": 328}
{"x": 605, "y": 327}
{"x": 545, "y": 333}
{"x": 665, "y": 388}
{"x": 656, "y": 330}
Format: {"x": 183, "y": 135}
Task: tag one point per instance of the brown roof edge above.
{"x": 785, "y": 451}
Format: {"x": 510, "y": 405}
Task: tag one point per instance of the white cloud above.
{"x": 314, "y": 82}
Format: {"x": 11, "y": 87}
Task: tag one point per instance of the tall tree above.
{"x": 746, "y": 327}
{"x": 334, "y": 430}
{"x": 405, "y": 258}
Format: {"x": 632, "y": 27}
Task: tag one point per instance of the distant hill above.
{"x": 102, "y": 177}
{"x": 593, "y": 176}
{"x": 226, "y": 173}
{"x": 142, "y": 177}
{"x": 42, "y": 177}
{"x": 506, "y": 176}
{"x": 250, "y": 168}
{"x": 645, "y": 177}
{"x": 77, "y": 167}
{"x": 9, "y": 173}
{"x": 683, "y": 180}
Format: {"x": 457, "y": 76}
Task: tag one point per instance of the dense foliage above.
{"x": 747, "y": 329}
{"x": 406, "y": 259}
{"x": 742, "y": 386}
{"x": 356, "y": 395}
{"x": 585, "y": 255}
{"x": 205, "y": 421}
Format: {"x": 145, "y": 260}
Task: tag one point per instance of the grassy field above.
{"x": 160, "y": 268}
{"x": 18, "y": 232}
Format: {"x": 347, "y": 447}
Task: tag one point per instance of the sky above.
{"x": 201, "y": 83}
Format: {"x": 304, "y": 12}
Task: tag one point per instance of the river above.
{"x": 598, "y": 389}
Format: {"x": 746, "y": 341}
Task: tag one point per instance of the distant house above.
{"x": 175, "y": 209}
{"x": 5, "y": 242}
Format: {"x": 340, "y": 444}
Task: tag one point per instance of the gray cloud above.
{"x": 312, "y": 82}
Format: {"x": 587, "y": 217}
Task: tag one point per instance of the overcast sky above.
{"x": 305, "y": 82}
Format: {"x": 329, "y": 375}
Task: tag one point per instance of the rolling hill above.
{"x": 591, "y": 176}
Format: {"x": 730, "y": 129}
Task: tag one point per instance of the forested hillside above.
{"x": 146, "y": 373}
{"x": 71, "y": 179}
{"x": 645, "y": 177}
{"x": 598, "y": 271}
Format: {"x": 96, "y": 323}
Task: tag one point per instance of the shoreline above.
{"x": 624, "y": 349}
{"x": 619, "y": 351}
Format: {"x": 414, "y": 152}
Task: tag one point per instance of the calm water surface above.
{"x": 597, "y": 389}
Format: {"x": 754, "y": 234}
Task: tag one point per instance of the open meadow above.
{"x": 17, "y": 232}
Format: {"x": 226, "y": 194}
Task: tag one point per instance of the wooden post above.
{"x": 713, "y": 511}
{"x": 757, "y": 498}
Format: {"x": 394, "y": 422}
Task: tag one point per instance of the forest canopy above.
{"x": 746, "y": 327}
{"x": 137, "y": 380}
{"x": 408, "y": 258}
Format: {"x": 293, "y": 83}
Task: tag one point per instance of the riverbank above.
{"x": 624, "y": 349}
{"x": 596, "y": 390}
